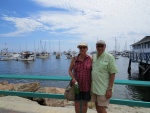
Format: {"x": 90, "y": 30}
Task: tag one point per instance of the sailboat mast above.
{"x": 115, "y": 45}
{"x": 45, "y": 46}
{"x": 41, "y": 45}
{"x": 19, "y": 48}
{"x": 26, "y": 46}
{"x": 34, "y": 47}
{"x": 49, "y": 46}
{"x": 38, "y": 47}
{"x": 59, "y": 45}
{"x": 53, "y": 47}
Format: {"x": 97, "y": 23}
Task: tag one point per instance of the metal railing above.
{"x": 66, "y": 78}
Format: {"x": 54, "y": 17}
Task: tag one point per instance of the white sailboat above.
{"x": 43, "y": 54}
{"x": 58, "y": 54}
{"x": 5, "y": 55}
{"x": 4, "y": 52}
{"x": 115, "y": 54}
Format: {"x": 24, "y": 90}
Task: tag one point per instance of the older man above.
{"x": 103, "y": 75}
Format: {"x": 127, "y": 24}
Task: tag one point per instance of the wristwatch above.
{"x": 109, "y": 89}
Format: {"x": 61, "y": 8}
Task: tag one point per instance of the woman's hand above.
{"x": 73, "y": 81}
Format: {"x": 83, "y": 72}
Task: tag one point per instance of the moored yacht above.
{"x": 27, "y": 56}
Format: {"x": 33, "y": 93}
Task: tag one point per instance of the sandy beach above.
{"x": 14, "y": 104}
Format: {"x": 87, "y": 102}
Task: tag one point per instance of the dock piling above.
{"x": 129, "y": 67}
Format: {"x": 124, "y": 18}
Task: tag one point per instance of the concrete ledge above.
{"x": 14, "y": 104}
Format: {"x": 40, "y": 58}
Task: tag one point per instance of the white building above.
{"x": 142, "y": 46}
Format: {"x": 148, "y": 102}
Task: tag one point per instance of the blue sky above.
{"x": 26, "y": 23}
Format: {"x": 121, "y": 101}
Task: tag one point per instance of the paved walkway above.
{"x": 8, "y": 107}
{"x": 21, "y": 105}
{"x": 14, "y": 104}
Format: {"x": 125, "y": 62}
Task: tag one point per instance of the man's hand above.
{"x": 108, "y": 94}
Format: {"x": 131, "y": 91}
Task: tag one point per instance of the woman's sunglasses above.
{"x": 84, "y": 47}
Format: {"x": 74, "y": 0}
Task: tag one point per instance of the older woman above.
{"x": 80, "y": 71}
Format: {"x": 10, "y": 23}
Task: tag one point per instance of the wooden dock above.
{"x": 144, "y": 64}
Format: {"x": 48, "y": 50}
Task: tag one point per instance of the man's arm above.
{"x": 110, "y": 86}
{"x": 111, "y": 81}
{"x": 112, "y": 70}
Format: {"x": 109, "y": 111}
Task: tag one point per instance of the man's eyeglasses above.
{"x": 83, "y": 47}
{"x": 100, "y": 46}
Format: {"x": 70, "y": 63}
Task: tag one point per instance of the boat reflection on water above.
{"x": 28, "y": 65}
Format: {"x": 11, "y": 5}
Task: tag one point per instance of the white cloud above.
{"x": 102, "y": 19}
{"x": 23, "y": 25}
{"x": 99, "y": 18}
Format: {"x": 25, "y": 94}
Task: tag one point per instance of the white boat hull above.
{"x": 29, "y": 59}
{"x": 43, "y": 57}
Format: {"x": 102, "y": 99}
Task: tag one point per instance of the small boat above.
{"x": 58, "y": 55}
{"x": 14, "y": 56}
{"x": 116, "y": 57}
{"x": 4, "y": 52}
{"x": 125, "y": 54}
{"x": 54, "y": 53}
{"x": 5, "y": 59}
{"x": 74, "y": 52}
{"x": 64, "y": 52}
{"x": 43, "y": 55}
{"x": 93, "y": 52}
{"x": 69, "y": 56}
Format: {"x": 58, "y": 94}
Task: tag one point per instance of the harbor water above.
{"x": 59, "y": 67}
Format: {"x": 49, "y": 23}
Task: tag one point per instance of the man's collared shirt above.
{"x": 102, "y": 67}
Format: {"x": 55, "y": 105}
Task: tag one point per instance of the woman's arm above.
{"x": 70, "y": 70}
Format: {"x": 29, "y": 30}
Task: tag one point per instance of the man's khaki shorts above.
{"x": 100, "y": 99}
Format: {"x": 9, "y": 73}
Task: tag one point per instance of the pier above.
{"x": 144, "y": 64}
{"x": 141, "y": 55}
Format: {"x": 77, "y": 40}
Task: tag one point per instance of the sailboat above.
{"x": 43, "y": 54}
{"x": 115, "y": 54}
{"x": 58, "y": 54}
{"x": 5, "y": 55}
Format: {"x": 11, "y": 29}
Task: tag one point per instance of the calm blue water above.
{"x": 59, "y": 67}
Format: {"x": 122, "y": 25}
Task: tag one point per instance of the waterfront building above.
{"x": 141, "y": 54}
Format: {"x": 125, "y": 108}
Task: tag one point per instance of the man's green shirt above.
{"x": 102, "y": 67}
